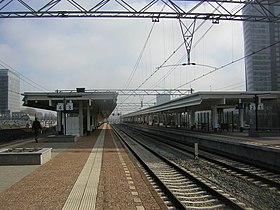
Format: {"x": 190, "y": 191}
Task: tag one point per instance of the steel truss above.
{"x": 217, "y": 10}
{"x": 139, "y": 92}
{"x": 154, "y": 92}
{"x": 154, "y": 9}
{"x": 126, "y": 107}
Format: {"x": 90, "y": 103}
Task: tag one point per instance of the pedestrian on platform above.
{"x": 36, "y": 126}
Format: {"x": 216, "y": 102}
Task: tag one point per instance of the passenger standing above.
{"x": 36, "y": 126}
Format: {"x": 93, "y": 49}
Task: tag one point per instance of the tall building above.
{"x": 9, "y": 92}
{"x": 263, "y": 68}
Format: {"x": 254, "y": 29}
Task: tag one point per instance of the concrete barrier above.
{"x": 267, "y": 157}
{"x": 62, "y": 138}
{"x": 25, "y": 156}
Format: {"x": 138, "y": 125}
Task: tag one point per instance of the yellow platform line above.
{"x": 84, "y": 192}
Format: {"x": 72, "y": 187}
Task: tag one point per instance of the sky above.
{"x": 68, "y": 53}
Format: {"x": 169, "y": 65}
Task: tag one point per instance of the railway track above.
{"x": 177, "y": 185}
{"x": 258, "y": 176}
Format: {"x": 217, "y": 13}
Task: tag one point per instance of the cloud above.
{"x": 101, "y": 53}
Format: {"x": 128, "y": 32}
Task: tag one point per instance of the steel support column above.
{"x": 88, "y": 119}
{"x": 214, "y": 112}
{"x": 81, "y": 118}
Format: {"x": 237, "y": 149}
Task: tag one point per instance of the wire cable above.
{"x": 141, "y": 54}
{"x": 228, "y": 64}
{"x": 200, "y": 25}
{"x": 27, "y": 80}
{"x": 231, "y": 86}
{"x": 182, "y": 58}
{"x": 139, "y": 57}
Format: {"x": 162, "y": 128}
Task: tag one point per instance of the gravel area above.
{"x": 49, "y": 185}
{"x": 254, "y": 196}
{"x": 122, "y": 185}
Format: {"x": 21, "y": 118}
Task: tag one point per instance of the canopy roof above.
{"x": 103, "y": 103}
{"x": 202, "y": 101}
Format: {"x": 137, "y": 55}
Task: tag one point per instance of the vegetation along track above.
{"x": 184, "y": 189}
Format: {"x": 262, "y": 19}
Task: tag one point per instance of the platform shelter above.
{"x": 79, "y": 112}
{"x": 214, "y": 110}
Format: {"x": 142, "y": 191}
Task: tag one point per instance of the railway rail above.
{"x": 259, "y": 176}
{"x": 256, "y": 187}
{"x": 184, "y": 189}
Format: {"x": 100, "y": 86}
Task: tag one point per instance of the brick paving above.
{"x": 122, "y": 185}
{"x": 49, "y": 185}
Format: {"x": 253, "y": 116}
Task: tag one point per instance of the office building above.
{"x": 262, "y": 68}
{"x": 9, "y": 92}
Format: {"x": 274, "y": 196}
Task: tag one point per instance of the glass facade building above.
{"x": 262, "y": 68}
{"x": 9, "y": 92}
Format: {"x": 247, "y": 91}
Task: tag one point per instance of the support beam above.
{"x": 59, "y": 122}
{"x": 188, "y": 33}
{"x": 241, "y": 118}
{"x": 215, "y": 118}
{"x": 192, "y": 119}
{"x": 88, "y": 120}
{"x": 154, "y": 10}
{"x": 81, "y": 118}
{"x": 93, "y": 119}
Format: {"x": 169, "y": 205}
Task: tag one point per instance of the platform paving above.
{"x": 93, "y": 173}
{"x": 11, "y": 174}
{"x": 83, "y": 195}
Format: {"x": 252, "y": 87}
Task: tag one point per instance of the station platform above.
{"x": 93, "y": 173}
{"x": 263, "y": 141}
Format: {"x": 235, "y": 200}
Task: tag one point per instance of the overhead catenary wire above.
{"x": 231, "y": 86}
{"x": 182, "y": 44}
{"x": 228, "y": 64}
{"x": 139, "y": 57}
{"x": 182, "y": 58}
{"x": 194, "y": 45}
{"x": 141, "y": 54}
{"x": 12, "y": 91}
{"x": 27, "y": 80}
{"x": 240, "y": 84}
{"x": 169, "y": 57}
{"x": 169, "y": 72}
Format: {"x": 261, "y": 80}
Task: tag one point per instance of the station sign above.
{"x": 260, "y": 106}
{"x": 69, "y": 106}
{"x": 253, "y": 106}
{"x": 60, "y": 107}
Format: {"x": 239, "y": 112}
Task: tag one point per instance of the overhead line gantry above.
{"x": 182, "y": 10}
{"x": 155, "y": 10}
{"x": 226, "y": 9}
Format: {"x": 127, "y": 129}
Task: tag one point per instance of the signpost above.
{"x": 69, "y": 106}
{"x": 60, "y": 107}
{"x": 64, "y": 107}
{"x": 195, "y": 150}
